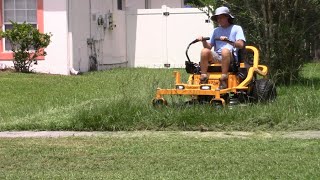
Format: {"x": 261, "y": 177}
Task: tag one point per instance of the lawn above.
{"x": 168, "y": 156}
{"x": 120, "y": 99}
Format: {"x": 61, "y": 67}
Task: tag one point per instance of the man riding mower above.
{"x": 225, "y": 75}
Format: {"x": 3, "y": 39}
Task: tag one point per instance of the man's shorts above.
{"x": 216, "y": 56}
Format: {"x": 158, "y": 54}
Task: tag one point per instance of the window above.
{"x": 30, "y": 11}
{"x": 120, "y": 5}
{"x": 19, "y": 11}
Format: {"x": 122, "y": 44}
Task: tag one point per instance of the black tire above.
{"x": 192, "y": 102}
{"x": 159, "y": 102}
{"x": 216, "y": 104}
{"x": 204, "y": 99}
{"x": 264, "y": 90}
{"x": 243, "y": 97}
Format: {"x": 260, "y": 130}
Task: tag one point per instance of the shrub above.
{"x": 27, "y": 44}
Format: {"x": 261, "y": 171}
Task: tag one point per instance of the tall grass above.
{"x": 120, "y": 99}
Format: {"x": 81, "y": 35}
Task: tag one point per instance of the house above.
{"x": 101, "y": 34}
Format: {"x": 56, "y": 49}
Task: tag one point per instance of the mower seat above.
{"x": 232, "y": 69}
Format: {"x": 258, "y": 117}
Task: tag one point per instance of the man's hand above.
{"x": 200, "y": 38}
{"x": 204, "y": 42}
{"x": 224, "y": 38}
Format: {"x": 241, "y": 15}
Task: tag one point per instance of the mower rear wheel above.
{"x": 264, "y": 90}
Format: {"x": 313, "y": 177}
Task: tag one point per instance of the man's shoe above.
{"x": 204, "y": 79}
{"x": 223, "y": 84}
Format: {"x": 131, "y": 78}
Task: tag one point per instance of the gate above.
{"x": 158, "y": 38}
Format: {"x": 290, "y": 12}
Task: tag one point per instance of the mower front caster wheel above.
{"x": 159, "y": 102}
{"x": 216, "y": 104}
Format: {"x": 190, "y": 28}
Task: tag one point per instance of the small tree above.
{"x": 27, "y": 43}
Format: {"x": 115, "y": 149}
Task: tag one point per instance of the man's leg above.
{"x": 225, "y": 63}
{"x": 205, "y": 59}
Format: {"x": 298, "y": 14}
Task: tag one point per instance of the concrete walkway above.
{"x": 231, "y": 134}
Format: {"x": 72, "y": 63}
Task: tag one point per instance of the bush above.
{"x": 27, "y": 44}
{"x": 286, "y": 32}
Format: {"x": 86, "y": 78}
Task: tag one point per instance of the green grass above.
{"x": 120, "y": 99}
{"x": 170, "y": 156}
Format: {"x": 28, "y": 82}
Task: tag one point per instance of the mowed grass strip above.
{"x": 170, "y": 156}
{"x": 120, "y": 99}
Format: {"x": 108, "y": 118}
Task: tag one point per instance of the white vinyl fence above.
{"x": 159, "y": 37}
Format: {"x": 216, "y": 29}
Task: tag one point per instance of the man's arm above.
{"x": 205, "y": 43}
{"x": 239, "y": 44}
{"x": 240, "y": 38}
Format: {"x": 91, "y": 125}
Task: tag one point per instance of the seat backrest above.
{"x": 242, "y": 55}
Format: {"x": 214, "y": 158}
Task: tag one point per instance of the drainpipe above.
{"x": 72, "y": 71}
